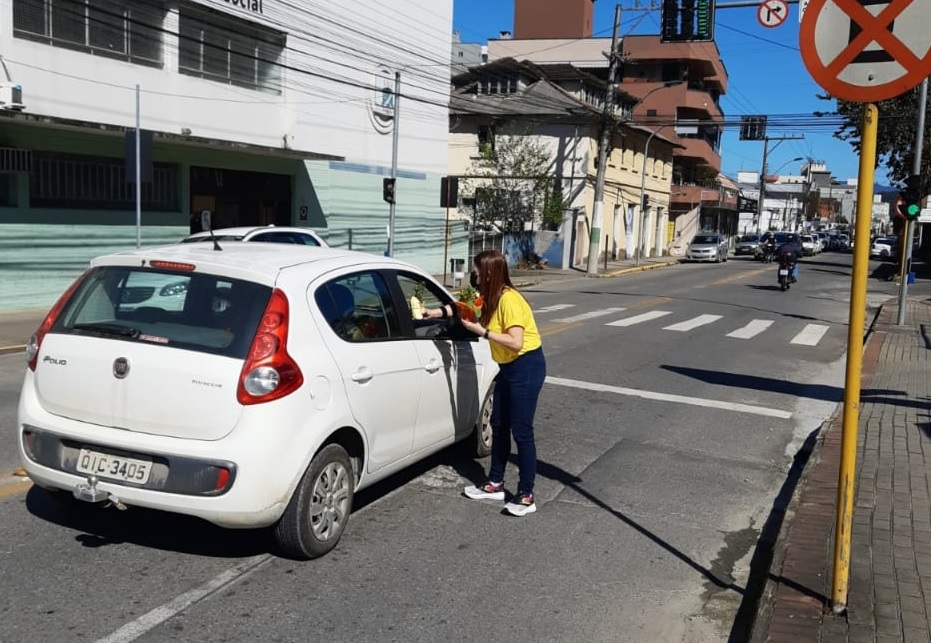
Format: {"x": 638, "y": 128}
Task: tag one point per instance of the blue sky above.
{"x": 765, "y": 69}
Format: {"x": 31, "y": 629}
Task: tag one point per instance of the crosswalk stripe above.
{"x": 636, "y": 319}
{"x": 549, "y": 309}
{"x": 810, "y": 335}
{"x": 752, "y": 329}
{"x": 718, "y": 405}
{"x": 590, "y": 315}
{"x": 695, "y": 322}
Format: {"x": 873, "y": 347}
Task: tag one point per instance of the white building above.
{"x": 261, "y": 111}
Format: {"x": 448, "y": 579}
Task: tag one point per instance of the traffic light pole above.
{"x": 394, "y": 160}
{"x": 910, "y": 223}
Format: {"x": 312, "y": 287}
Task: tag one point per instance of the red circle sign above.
{"x": 772, "y": 13}
{"x": 866, "y": 55}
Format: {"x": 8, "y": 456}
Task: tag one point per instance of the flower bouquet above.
{"x": 469, "y": 303}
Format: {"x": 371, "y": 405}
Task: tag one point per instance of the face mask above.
{"x": 473, "y": 280}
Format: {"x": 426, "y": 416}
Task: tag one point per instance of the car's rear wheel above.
{"x": 481, "y": 437}
{"x": 319, "y": 509}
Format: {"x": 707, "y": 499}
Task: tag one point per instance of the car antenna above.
{"x": 205, "y": 224}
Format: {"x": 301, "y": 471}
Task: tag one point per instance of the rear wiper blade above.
{"x": 108, "y": 329}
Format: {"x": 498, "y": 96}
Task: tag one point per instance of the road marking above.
{"x": 9, "y": 489}
{"x": 666, "y": 397}
{"x": 810, "y": 335}
{"x": 589, "y": 315}
{"x": 695, "y": 322}
{"x": 636, "y": 319}
{"x": 552, "y": 330}
{"x": 752, "y": 329}
{"x": 550, "y": 309}
{"x": 134, "y": 629}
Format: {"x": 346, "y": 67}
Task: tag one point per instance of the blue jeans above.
{"x": 516, "y": 392}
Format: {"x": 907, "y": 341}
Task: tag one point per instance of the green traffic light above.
{"x": 912, "y": 209}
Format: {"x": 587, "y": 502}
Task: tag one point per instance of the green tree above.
{"x": 513, "y": 179}
{"x": 895, "y": 134}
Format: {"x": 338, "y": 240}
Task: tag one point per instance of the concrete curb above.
{"x": 766, "y": 601}
{"x": 649, "y": 266}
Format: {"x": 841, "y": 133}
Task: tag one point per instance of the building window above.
{"x": 125, "y": 29}
{"x": 486, "y": 140}
{"x": 230, "y": 50}
{"x": 74, "y": 182}
{"x": 498, "y": 85}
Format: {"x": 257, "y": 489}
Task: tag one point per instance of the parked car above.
{"x": 747, "y": 245}
{"x": 284, "y": 382}
{"x": 809, "y": 245}
{"x": 707, "y": 247}
{"x": 270, "y": 234}
{"x": 884, "y": 248}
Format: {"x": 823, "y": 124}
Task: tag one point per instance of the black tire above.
{"x": 481, "y": 435}
{"x": 319, "y": 509}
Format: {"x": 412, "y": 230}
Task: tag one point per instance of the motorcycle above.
{"x": 785, "y": 273}
{"x": 767, "y": 252}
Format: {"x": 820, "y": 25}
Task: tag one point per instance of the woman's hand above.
{"x": 473, "y": 327}
{"x": 436, "y": 313}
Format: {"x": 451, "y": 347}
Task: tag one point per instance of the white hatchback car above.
{"x": 267, "y": 234}
{"x": 275, "y": 385}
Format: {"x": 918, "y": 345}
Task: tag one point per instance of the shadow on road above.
{"x": 763, "y": 553}
{"x": 571, "y": 481}
{"x": 795, "y": 389}
{"x": 101, "y": 527}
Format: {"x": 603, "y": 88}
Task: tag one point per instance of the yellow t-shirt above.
{"x": 513, "y": 310}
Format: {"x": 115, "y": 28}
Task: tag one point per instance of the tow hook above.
{"x": 88, "y": 491}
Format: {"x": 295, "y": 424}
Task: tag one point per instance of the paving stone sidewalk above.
{"x": 889, "y": 590}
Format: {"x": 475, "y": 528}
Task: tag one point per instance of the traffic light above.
{"x": 387, "y": 189}
{"x": 687, "y": 21}
{"x": 910, "y": 197}
{"x": 752, "y": 128}
{"x": 645, "y": 202}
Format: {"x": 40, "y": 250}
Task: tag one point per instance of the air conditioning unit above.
{"x": 11, "y": 96}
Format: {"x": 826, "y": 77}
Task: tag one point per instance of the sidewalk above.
{"x": 889, "y": 588}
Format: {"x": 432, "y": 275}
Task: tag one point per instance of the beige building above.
{"x": 560, "y": 107}
{"x": 689, "y": 112}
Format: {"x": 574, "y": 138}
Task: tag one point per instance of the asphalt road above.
{"x": 662, "y": 446}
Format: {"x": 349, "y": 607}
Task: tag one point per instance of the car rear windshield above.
{"x": 192, "y": 311}
{"x": 705, "y": 239}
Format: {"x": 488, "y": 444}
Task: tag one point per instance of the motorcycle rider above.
{"x": 791, "y": 251}
{"x": 767, "y": 247}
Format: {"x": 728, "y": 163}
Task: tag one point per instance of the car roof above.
{"x": 261, "y": 262}
{"x": 243, "y": 231}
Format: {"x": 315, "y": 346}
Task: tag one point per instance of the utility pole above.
{"x": 603, "y": 143}
{"x": 759, "y": 203}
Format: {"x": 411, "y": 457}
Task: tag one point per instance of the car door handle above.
{"x": 432, "y": 366}
{"x": 362, "y": 376}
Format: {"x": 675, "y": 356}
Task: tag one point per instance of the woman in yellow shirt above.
{"x": 507, "y": 323}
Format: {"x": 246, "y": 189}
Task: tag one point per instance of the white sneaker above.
{"x": 487, "y": 491}
{"x": 521, "y": 505}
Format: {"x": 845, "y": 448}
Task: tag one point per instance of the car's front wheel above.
{"x": 319, "y": 509}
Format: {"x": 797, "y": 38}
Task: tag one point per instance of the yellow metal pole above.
{"x": 848, "y": 460}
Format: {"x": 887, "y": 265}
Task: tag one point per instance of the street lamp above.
{"x": 643, "y": 170}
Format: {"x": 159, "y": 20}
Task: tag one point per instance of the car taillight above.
{"x": 35, "y": 342}
{"x": 269, "y": 372}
